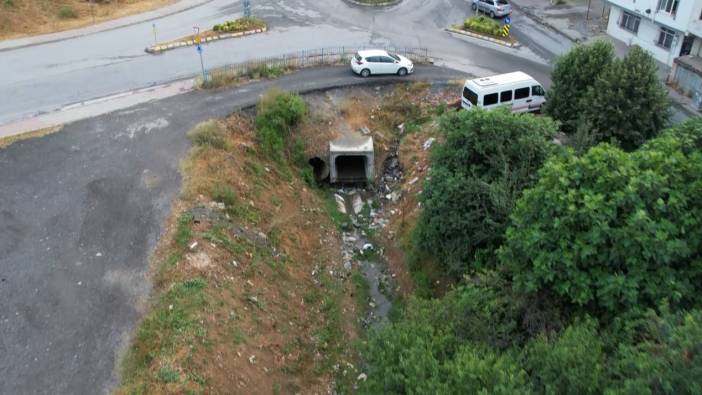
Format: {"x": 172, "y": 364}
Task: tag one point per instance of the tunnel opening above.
{"x": 319, "y": 168}
{"x": 351, "y": 168}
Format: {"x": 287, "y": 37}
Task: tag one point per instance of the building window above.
{"x": 665, "y": 38}
{"x": 669, "y": 6}
{"x": 630, "y": 22}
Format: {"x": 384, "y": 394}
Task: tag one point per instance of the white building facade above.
{"x": 666, "y": 28}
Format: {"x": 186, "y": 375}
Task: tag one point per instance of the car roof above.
{"x": 372, "y": 52}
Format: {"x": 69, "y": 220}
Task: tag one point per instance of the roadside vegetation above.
{"x": 20, "y": 18}
{"x": 483, "y": 24}
{"x": 247, "y": 296}
{"x": 571, "y": 268}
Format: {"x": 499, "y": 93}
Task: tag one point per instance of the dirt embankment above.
{"x": 249, "y": 296}
{"x": 19, "y": 18}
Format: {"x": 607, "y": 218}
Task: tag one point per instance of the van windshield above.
{"x": 471, "y": 96}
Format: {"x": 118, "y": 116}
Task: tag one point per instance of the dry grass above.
{"x": 19, "y": 18}
{"x": 7, "y": 141}
{"x": 274, "y": 322}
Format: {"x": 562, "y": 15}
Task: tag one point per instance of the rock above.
{"x": 395, "y": 196}
{"x": 357, "y": 203}
{"x": 199, "y": 261}
{"x": 218, "y": 205}
{"x": 427, "y": 144}
{"x": 99, "y": 254}
{"x": 340, "y": 203}
{"x": 252, "y": 359}
{"x": 347, "y": 266}
{"x": 262, "y": 235}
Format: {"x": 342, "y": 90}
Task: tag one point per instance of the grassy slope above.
{"x": 20, "y": 18}
{"x": 279, "y": 319}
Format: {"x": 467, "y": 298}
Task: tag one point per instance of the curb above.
{"x": 378, "y": 5}
{"x": 186, "y": 43}
{"x": 483, "y": 37}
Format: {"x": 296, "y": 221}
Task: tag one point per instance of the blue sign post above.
{"x": 202, "y": 64}
{"x": 508, "y": 20}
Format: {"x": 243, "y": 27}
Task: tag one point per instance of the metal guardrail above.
{"x": 313, "y": 57}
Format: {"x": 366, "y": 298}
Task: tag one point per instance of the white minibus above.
{"x": 517, "y": 90}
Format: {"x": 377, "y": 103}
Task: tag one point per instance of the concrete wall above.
{"x": 646, "y": 37}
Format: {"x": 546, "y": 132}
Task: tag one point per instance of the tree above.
{"x": 572, "y": 75}
{"x": 627, "y": 104}
{"x": 477, "y": 175}
{"x": 612, "y": 230}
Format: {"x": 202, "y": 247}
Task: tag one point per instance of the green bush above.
{"x": 239, "y": 25}
{"x": 574, "y": 362}
{"x": 276, "y": 114}
{"x": 475, "y": 179}
{"x": 611, "y": 231}
{"x": 483, "y": 24}
{"x": 209, "y": 133}
{"x": 66, "y": 12}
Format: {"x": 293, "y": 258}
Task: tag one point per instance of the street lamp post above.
{"x": 199, "y": 51}
{"x": 247, "y": 8}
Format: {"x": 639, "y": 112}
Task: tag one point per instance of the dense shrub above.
{"x": 483, "y": 24}
{"x": 475, "y": 179}
{"x": 627, "y": 104}
{"x": 611, "y": 230}
{"x": 276, "y": 114}
{"x": 572, "y": 75}
{"x": 66, "y": 12}
{"x": 574, "y": 362}
{"x": 209, "y": 133}
{"x": 239, "y": 25}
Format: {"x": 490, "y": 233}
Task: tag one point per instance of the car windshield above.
{"x": 502, "y": 2}
{"x": 394, "y": 56}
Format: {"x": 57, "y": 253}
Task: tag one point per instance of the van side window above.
{"x": 537, "y": 90}
{"x": 505, "y": 96}
{"x": 521, "y": 93}
{"x": 470, "y": 96}
{"x": 490, "y": 99}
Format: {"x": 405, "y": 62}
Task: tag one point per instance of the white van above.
{"x": 518, "y": 90}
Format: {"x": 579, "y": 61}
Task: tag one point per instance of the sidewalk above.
{"x": 571, "y": 18}
{"x": 179, "y": 6}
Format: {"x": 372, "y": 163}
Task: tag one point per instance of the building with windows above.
{"x": 671, "y": 30}
{"x": 667, "y": 28}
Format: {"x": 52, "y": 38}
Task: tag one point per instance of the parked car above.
{"x": 378, "y": 61}
{"x": 499, "y": 8}
{"x": 518, "y": 90}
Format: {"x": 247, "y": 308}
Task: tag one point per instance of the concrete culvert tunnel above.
{"x": 351, "y": 160}
{"x": 350, "y": 168}
{"x": 320, "y": 168}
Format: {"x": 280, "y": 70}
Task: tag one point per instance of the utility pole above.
{"x": 92, "y": 10}
{"x": 247, "y": 8}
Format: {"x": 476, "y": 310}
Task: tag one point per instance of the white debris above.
{"x": 340, "y": 203}
{"x": 252, "y": 359}
{"x": 362, "y": 377}
{"x": 427, "y": 144}
{"x": 98, "y": 254}
{"x": 414, "y": 180}
{"x": 192, "y": 246}
{"x": 367, "y": 246}
{"x": 357, "y": 203}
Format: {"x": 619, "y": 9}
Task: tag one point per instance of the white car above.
{"x": 378, "y": 61}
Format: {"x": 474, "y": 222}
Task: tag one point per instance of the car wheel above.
{"x": 365, "y": 73}
{"x": 402, "y": 72}
{"x": 474, "y": 7}
{"x": 492, "y": 14}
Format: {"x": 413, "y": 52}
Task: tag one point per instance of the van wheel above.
{"x": 365, "y": 73}
{"x": 492, "y": 14}
{"x": 402, "y": 72}
{"x": 474, "y": 7}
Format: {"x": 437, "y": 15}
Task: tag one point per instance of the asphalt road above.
{"x": 45, "y": 77}
{"x": 80, "y": 212}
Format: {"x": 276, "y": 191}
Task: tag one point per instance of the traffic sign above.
{"x": 508, "y": 20}
{"x": 199, "y": 48}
